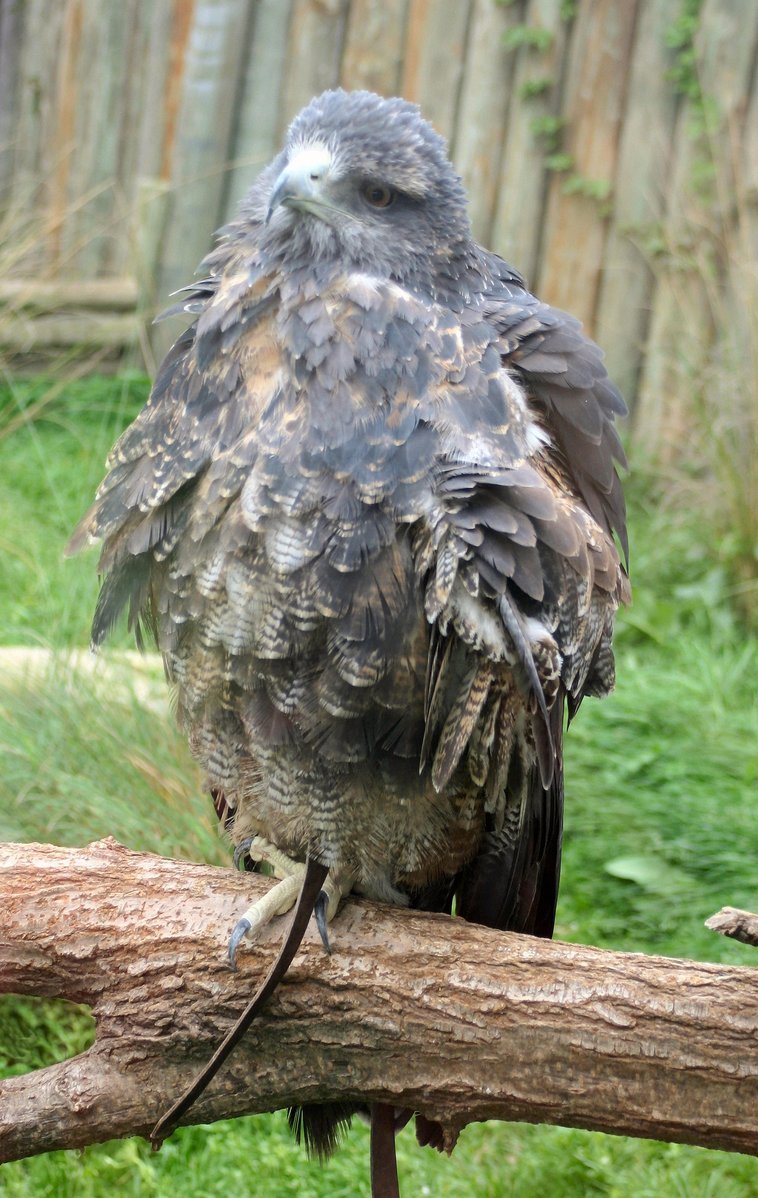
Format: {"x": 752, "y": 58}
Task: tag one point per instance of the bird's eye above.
{"x": 377, "y": 195}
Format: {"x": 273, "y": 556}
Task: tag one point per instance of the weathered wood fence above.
{"x": 610, "y": 150}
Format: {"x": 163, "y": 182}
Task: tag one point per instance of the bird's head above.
{"x": 366, "y": 182}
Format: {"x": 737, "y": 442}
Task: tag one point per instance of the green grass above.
{"x": 49, "y": 469}
{"x": 661, "y": 830}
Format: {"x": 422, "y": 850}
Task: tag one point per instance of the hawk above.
{"x": 371, "y": 515}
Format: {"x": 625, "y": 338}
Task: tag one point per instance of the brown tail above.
{"x": 315, "y": 873}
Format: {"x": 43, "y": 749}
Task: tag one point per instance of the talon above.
{"x": 241, "y": 851}
{"x": 338, "y": 883}
{"x": 319, "y": 911}
{"x": 241, "y": 929}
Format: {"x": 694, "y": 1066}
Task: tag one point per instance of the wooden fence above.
{"x": 609, "y": 147}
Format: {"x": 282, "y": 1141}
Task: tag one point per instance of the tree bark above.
{"x": 422, "y": 1011}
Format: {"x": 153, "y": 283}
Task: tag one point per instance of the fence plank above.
{"x": 744, "y": 272}
{"x": 373, "y": 54}
{"x": 593, "y": 107}
{"x": 483, "y": 109}
{"x": 435, "y": 48}
{"x": 257, "y": 132}
{"x": 100, "y": 330}
{"x": 164, "y": 27}
{"x": 687, "y": 301}
{"x": 96, "y": 237}
{"x": 163, "y": 30}
{"x": 117, "y": 295}
{"x": 317, "y": 31}
{"x": 749, "y": 148}
{"x": 522, "y": 186}
{"x": 39, "y": 141}
{"x": 639, "y": 198}
{"x": 198, "y": 154}
{"x": 727, "y": 45}
{"x": 11, "y": 37}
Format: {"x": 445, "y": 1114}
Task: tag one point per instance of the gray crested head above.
{"x": 365, "y": 183}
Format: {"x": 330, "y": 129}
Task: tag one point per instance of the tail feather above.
{"x": 321, "y": 1128}
{"x": 512, "y": 883}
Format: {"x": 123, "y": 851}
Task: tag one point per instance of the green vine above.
{"x": 548, "y": 128}
{"x": 533, "y": 36}
{"x": 598, "y": 190}
{"x": 559, "y": 162}
{"x": 532, "y": 88}
{"x": 680, "y": 38}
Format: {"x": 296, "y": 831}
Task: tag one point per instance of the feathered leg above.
{"x": 313, "y": 880}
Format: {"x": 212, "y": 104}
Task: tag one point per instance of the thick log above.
{"x": 106, "y": 330}
{"x": 50, "y": 295}
{"x": 418, "y": 1010}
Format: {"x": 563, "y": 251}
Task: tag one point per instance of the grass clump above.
{"x": 52, "y": 453}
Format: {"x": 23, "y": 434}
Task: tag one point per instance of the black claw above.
{"x": 319, "y": 910}
{"x": 241, "y": 928}
{"x": 241, "y": 851}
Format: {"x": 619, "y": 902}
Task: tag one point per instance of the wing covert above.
{"x": 566, "y": 379}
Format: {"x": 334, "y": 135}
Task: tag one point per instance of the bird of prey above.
{"x": 371, "y": 515}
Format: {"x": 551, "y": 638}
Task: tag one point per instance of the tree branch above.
{"x": 419, "y": 1010}
{"x": 740, "y": 925}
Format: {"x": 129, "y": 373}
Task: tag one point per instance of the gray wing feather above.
{"x": 565, "y": 375}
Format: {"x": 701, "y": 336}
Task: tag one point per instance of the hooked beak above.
{"x": 300, "y": 185}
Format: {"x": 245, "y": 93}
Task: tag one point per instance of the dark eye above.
{"x": 377, "y": 195}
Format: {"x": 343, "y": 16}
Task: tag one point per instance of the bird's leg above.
{"x": 258, "y": 849}
{"x": 282, "y": 897}
{"x": 384, "y": 1180}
